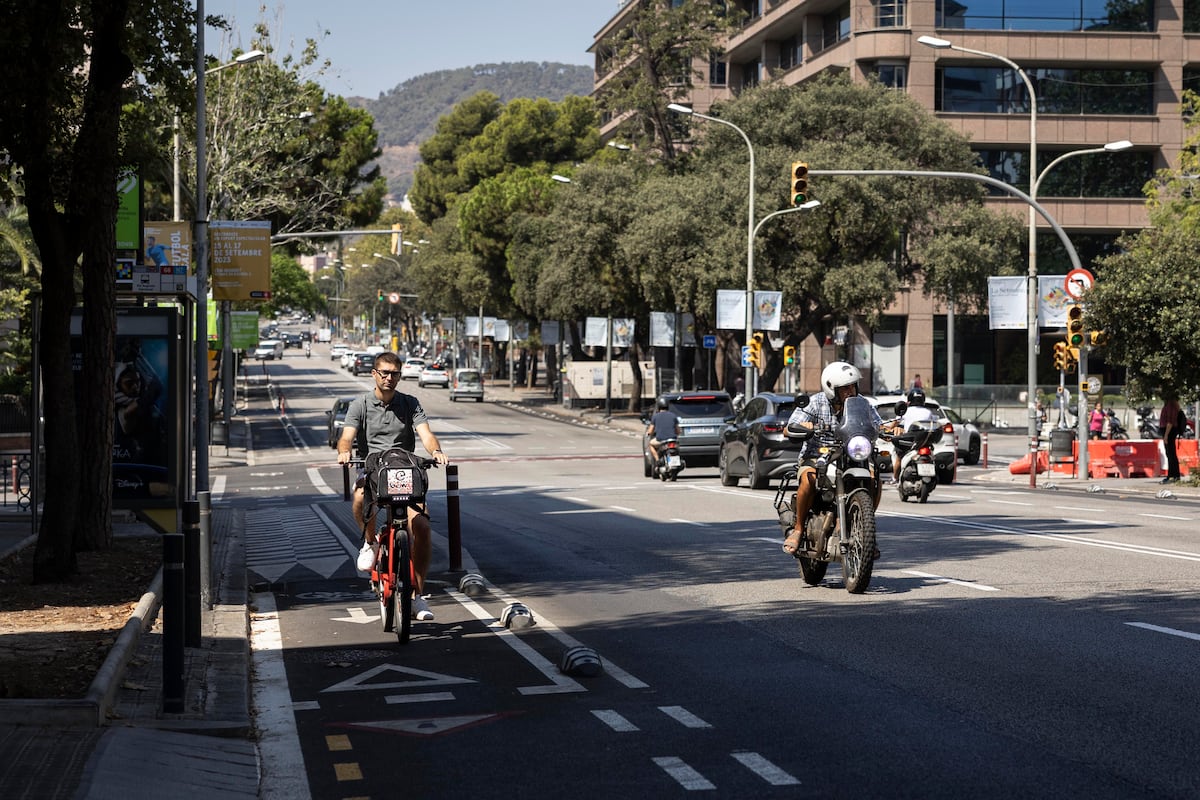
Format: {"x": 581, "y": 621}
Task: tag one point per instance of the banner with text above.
{"x": 241, "y": 259}
{"x": 662, "y": 329}
{"x": 767, "y": 310}
{"x": 596, "y": 332}
{"x": 731, "y": 310}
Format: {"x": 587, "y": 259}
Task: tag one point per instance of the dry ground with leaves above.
{"x": 55, "y": 636}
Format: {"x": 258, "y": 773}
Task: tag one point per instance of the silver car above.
{"x": 467, "y": 384}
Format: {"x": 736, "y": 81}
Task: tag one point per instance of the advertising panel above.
{"x": 241, "y": 260}
{"x": 166, "y": 254}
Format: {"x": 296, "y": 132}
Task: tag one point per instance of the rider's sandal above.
{"x": 791, "y": 545}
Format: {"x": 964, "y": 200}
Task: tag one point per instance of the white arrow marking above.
{"x": 356, "y": 615}
{"x": 426, "y": 727}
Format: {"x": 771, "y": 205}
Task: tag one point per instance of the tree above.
{"x": 1136, "y": 296}
{"x": 656, "y": 49}
{"x": 437, "y": 181}
{"x": 67, "y": 67}
{"x": 291, "y": 287}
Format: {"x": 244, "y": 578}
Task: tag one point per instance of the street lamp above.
{"x": 1031, "y": 291}
{"x": 751, "y": 373}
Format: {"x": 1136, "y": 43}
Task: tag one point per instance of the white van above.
{"x": 269, "y": 349}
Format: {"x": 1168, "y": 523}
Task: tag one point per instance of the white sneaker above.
{"x": 366, "y": 557}
{"x": 420, "y": 609}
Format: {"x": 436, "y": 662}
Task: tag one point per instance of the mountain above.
{"x": 408, "y": 114}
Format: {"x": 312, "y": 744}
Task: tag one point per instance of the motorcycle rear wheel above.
{"x": 859, "y": 558}
{"x": 924, "y": 492}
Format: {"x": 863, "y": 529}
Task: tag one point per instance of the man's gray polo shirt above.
{"x": 387, "y": 425}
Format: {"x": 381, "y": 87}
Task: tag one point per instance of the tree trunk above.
{"x": 635, "y": 399}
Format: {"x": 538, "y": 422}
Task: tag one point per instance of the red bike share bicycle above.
{"x": 395, "y": 482}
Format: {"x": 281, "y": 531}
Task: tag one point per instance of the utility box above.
{"x": 587, "y": 380}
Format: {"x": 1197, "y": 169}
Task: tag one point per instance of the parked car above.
{"x": 970, "y": 441}
{"x": 467, "y": 383}
{"x": 754, "y": 444}
{"x": 349, "y": 358}
{"x": 269, "y": 349}
{"x": 337, "y": 418}
{"x": 412, "y": 368}
{"x": 945, "y": 456}
{"x": 337, "y": 351}
{"x": 701, "y": 417}
{"x": 434, "y": 374}
{"x": 363, "y": 364}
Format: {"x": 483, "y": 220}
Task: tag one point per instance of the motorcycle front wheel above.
{"x": 859, "y": 557}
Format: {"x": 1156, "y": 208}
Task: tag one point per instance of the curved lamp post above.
{"x": 751, "y": 373}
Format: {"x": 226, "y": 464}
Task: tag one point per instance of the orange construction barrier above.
{"x": 1021, "y": 465}
{"x": 1189, "y": 456}
{"x": 1133, "y": 458}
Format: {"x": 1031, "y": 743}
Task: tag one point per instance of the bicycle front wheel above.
{"x": 402, "y": 585}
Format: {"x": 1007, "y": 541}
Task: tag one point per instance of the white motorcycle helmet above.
{"x": 837, "y": 375}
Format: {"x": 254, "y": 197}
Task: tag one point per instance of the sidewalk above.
{"x": 57, "y": 750}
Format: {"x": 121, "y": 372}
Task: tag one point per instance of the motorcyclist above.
{"x": 308, "y": 349}
{"x": 664, "y": 421}
{"x": 839, "y": 381}
{"x": 917, "y": 413}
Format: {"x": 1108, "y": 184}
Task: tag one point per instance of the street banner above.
{"x": 1052, "y": 301}
{"x": 129, "y": 209}
{"x": 241, "y": 259}
{"x": 596, "y": 332}
{"x": 489, "y": 327}
{"x": 164, "y": 258}
{"x": 243, "y": 333}
{"x": 731, "y": 310}
{"x": 1007, "y": 309}
{"x": 767, "y": 310}
{"x": 662, "y": 329}
{"x": 549, "y": 334}
{"x": 501, "y": 330}
{"x": 520, "y": 330}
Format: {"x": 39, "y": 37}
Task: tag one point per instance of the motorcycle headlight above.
{"x": 859, "y": 448}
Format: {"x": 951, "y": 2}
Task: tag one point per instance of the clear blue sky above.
{"x": 376, "y": 44}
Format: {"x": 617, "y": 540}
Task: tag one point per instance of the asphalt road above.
{"x": 1010, "y": 644}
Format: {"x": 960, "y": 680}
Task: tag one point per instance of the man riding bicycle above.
{"x": 391, "y": 419}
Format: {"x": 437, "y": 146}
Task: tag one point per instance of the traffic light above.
{"x": 789, "y": 355}
{"x": 799, "y": 183}
{"x": 1060, "y": 356}
{"x": 1098, "y": 338}
{"x": 1075, "y": 325}
{"x": 756, "y": 353}
{"x": 380, "y": 298}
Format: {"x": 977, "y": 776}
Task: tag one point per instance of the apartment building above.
{"x": 1101, "y": 71}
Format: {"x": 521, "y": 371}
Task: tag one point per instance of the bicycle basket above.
{"x": 396, "y": 478}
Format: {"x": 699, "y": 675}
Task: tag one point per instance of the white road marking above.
{"x": 1099, "y": 522}
{"x": 1169, "y": 631}
{"x": 578, "y": 511}
{"x": 424, "y": 697}
{"x": 1166, "y": 516}
{"x": 684, "y": 717}
{"x": 577, "y": 500}
{"x": 314, "y": 477}
{"x": 684, "y": 775}
{"x": 278, "y": 741}
{"x": 983, "y": 587}
{"x": 689, "y": 522}
{"x": 217, "y": 488}
{"x": 622, "y": 508}
{"x": 1074, "y": 508}
{"x": 1011, "y": 503}
{"x": 306, "y": 705}
{"x": 615, "y": 721}
{"x": 765, "y": 769}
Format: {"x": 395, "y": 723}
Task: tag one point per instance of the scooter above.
{"x": 1115, "y": 429}
{"x": 918, "y": 474}
{"x": 669, "y": 463}
{"x": 1147, "y": 423}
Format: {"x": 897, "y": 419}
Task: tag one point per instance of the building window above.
{"x": 751, "y": 72}
{"x": 835, "y": 26}
{"x": 1095, "y": 175}
{"x": 718, "y": 71}
{"x": 999, "y": 90}
{"x": 789, "y": 53}
{"x": 1191, "y": 16}
{"x": 1063, "y": 15}
{"x": 891, "y": 13}
{"x": 894, "y": 76}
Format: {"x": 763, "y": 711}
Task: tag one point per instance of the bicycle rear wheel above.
{"x": 402, "y": 585}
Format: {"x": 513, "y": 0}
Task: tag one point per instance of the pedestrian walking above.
{"x": 1171, "y": 422}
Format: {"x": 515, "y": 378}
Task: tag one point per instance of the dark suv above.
{"x": 701, "y": 417}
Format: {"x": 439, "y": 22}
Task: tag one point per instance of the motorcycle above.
{"x": 840, "y": 526}
{"x": 307, "y": 350}
{"x": 669, "y": 463}
{"x": 1115, "y": 429}
{"x": 1148, "y": 423}
{"x": 918, "y": 473}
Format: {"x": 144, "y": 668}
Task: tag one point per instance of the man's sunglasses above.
{"x": 387, "y": 373}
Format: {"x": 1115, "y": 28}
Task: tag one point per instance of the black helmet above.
{"x": 662, "y": 404}
{"x": 916, "y": 397}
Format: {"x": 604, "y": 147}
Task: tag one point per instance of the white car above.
{"x": 337, "y": 351}
{"x": 349, "y": 359}
{"x": 269, "y": 349}
{"x": 412, "y": 369}
{"x": 434, "y": 374}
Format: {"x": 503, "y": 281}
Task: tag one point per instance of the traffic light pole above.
{"x": 1081, "y": 419}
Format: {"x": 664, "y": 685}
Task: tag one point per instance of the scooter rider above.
{"x": 917, "y": 413}
{"x": 663, "y": 420}
{"x": 839, "y": 380}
